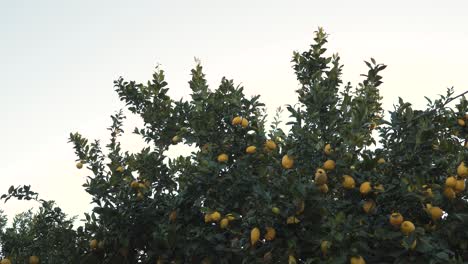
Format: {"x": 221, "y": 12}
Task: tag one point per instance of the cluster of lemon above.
{"x": 456, "y": 184}
{"x": 32, "y": 260}
{"x": 140, "y": 187}
{"x": 215, "y": 217}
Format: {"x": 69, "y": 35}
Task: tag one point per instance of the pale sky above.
{"x": 58, "y": 60}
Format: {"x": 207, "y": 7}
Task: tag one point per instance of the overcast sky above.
{"x": 58, "y": 60}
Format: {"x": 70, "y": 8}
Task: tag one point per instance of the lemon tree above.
{"x": 342, "y": 184}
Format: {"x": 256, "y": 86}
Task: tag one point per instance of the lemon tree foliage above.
{"x": 341, "y": 185}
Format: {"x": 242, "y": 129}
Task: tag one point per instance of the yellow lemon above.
{"x": 215, "y": 216}
{"x": 93, "y": 244}
{"x": 357, "y": 260}
{"x": 365, "y": 188}
{"x": 208, "y": 218}
{"x": 134, "y": 184}
{"x": 449, "y": 193}
{"x": 244, "y": 122}
{"x": 270, "y": 233}
{"x": 254, "y": 236}
{"x": 459, "y": 186}
{"x": 461, "y": 122}
{"x": 223, "y": 158}
{"x": 327, "y": 149}
{"x": 436, "y": 213}
{"x": 270, "y": 144}
{"x": 368, "y": 206}
{"x": 33, "y": 260}
{"x": 251, "y": 149}
{"x": 224, "y": 223}
{"x": 236, "y": 121}
{"x": 324, "y": 246}
{"x": 462, "y": 170}
{"x": 230, "y": 217}
{"x": 348, "y": 182}
{"x": 381, "y": 161}
{"x": 119, "y": 169}
{"x": 275, "y": 210}
{"x": 292, "y": 220}
{"x": 396, "y": 219}
{"x": 287, "y": 162}
{"x": 292, "y": 260}
{"x": 329, "y": 165}
{"x": 450, "y": 182}
{"x": 175, "y": 139}
{"x": 320, "y": 177}
{"x": 79, "y": 165}
{"x": 173, "y": 216}
{"x": 407, "y": 227}
{"x": 323, "y": 188}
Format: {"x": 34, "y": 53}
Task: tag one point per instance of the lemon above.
{"x": 449, "y": 193}
{"x": 459, "y": 186}
{"x": 461, "y": 122}
{"x": 254, "y": 236}
{"x": 270, "y": 233}
{"x": 79, "y": 165}
{"x": 175, "y": 139}
{"x": 324, "y": 246}
{"x": 275, "y": 210}
{"x": 119, "y": 169}
{"x": 357, "y": 260}
{"x": 236, "y": 121}
{"x": 223, "y": 158}
{"x": 140, "y": 196}
{"x": 244, "y": 122}
{"x": 365, "y": 188}
{"x": 230, "y": 217}
{"x": 396, "y": 219}
{"x": 33, "y": 260}
{"x": 329, "y": 165}
{"x": 208, "y": 218}
{"x": 320, "y": 177}
{"x": 270, "y": 144}
{"x": 134, "y": 184}
{"x": 5, "y": 261}
{"x": 381, "y": 161}
{"x": 348, "y": 182}
{"x": 462, "y": 170}
{"x": 450, "y": 182}
{"x": 292, "y": 220}
{"x": 436, "y": 213}
{"x": 224, "y": 223}
{"x": 215, "y": 216}
{"x": 251, "y": 149}
{"x": 323, "y": 188}
{"x": 301, "y": 206}
{"x": 173, "y": 216}
{"x": 407, "y": 227}
{"x": 292, "y": 260}
{"x": 287, "y": 162}
{"x": 368, "y": 206}
{"x": 93, "y": 244}
{"x": 327, "y": 149}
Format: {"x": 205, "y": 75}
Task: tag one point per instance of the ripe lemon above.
{"x": 348, "y": 182}
{"x": 292, "y": 260}
{"x": 254, "y": 236}
{"x": 365, "y": 188}
{"x": 292, "y": 220}
{"x": 407, "y": 227}
{"x": 215, "y": 216}
{"x": 327, "y": 149}
{"x": 79, "y": 165}
{"x": 135, "y": 184}
{"x": 224, "y": 223}
{"x": 5, "y": 261}
{"x": 329, "y": 165}
{"x": 175, "y": 139}
{"x": 287, "y": 162}
{"x": 270, "y": 144}
{"x": 270, "y": 233}
{"x": 462, "y": 170}
{"x": 436, "y": 213}
{"x": 244, "y": 122}
{"x": 230, "y": 217}
{"x": 459, "y": 186}
{"x": 379, "y": 187}
{"x": 173, "y": 216}
{"x": 368, "y": 206}
{"x": 323, "y": 188}
{"x": 324, "y": 246}
{"x": 396, "y": 219}
{"x": 251, "y": 149}
{"x": 461, "y": 122}
{"x": 275, "y": 210}
{"x": 93, "y": 244}
{"x": 119, "y": 169}
{"x": 236, "y": 121}
{"x": 320, "y": 177}
{"x": 141, "y": 185}
{"x": 208, "y": 218}
{"x": 223, "y": 158}
{"x": 449, "y": 193}
{"x": 357, "y": 260}
{"x": 450, "y": 182}
{"x": 381, "y": 161}
{"x": 33, "y": 260}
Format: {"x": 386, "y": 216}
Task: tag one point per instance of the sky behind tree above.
{"x": 59, "y": 60}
